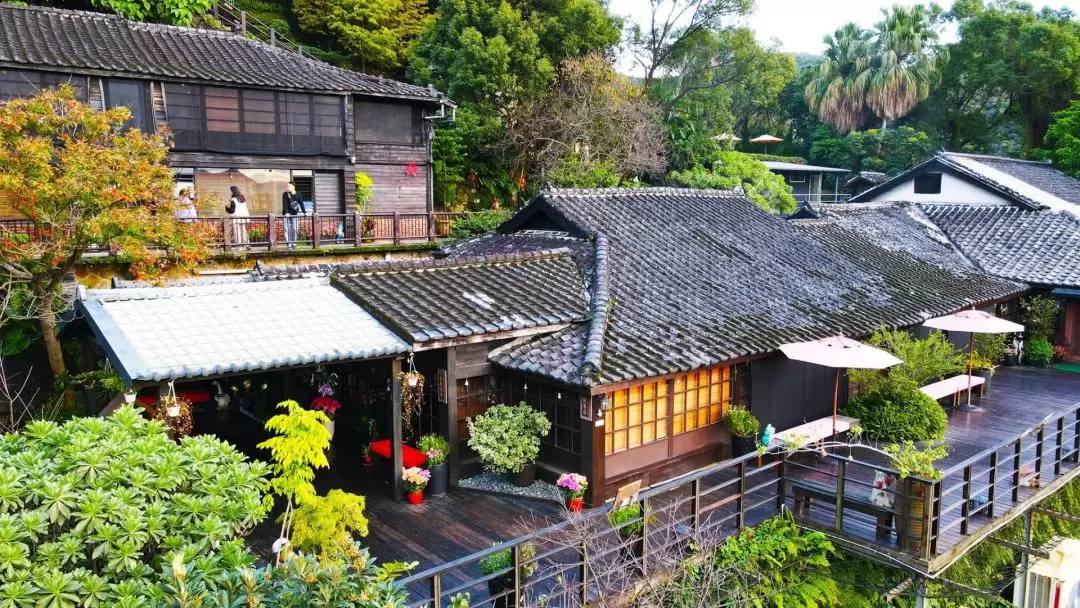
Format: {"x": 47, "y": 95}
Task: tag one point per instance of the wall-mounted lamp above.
{"x": 129, "y": 398}
{"x": 603, "y": 405}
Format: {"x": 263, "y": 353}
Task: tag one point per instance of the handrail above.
{"x": 960, "y": 466}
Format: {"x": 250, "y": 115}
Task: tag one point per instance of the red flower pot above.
{"x": 414, "y": 498}
{"x": 575, "y": 504}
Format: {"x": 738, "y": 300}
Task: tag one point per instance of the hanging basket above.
{"x": 412, "y": 397}
{"x": 175, "y": 412}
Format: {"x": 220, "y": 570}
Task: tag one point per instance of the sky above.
{"x": 799, "y": 25}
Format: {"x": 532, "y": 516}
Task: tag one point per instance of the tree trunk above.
{"x": 47, "y": 322}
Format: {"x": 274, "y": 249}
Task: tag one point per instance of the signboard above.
{"x": 627, "y": 495}
{"x": 440, "y": 385}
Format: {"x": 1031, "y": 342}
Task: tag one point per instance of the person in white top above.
{"x": 238, "y": 214}
{"x": 185, "y": 205}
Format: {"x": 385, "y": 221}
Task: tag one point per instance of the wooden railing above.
{"x": 584, "y": 557}
{"x": 275, "y": 232}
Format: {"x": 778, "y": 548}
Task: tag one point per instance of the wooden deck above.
{"x": 1002, "y": 461}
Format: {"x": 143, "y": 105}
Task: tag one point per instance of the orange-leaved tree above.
{"x": 81, "y": 179}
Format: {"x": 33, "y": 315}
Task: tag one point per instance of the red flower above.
{"x": 411, "y": 169}
{"x": 325, "y": 404}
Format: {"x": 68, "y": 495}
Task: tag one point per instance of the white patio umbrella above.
{"x": 973, "y": 322}
{"x": 766, "y": 139}
{"x": 839, "y": 352}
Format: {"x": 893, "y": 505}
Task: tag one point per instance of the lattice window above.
{"x": 701, "y": 398}
{"x": 222, "y": 109}
{"x": 474, "y": 396}
{"x": 636, "y": 416}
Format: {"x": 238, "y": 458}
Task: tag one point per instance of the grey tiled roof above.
{"x": 1041, "y": 175}
{"x": 437, "y": 299}
{"x": 77, "y": 41}
{"x": 699, "y": 277}
{"x": 1038, "y": 247}
{"x": 219, "y": 329}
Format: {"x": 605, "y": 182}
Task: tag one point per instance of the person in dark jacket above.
{"x": 292, "y": 206}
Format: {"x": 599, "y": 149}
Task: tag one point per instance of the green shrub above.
{"x": 504, "y": 560}
{"x": 1039, "y": 316}
{"x": 1038, "y": 351}
{"x": 924, "y": 361}
{"x": 796, "y": 160}
{"x": 898, "y": 412}
{"x": 97, "y": 506}
{"x": 989, "y": 350}
{"x": 627, "y": 520}
{"x": 436, "y": 447}
{"x": 326, "y": 524}
{"x": 741, "y": 422}
{"x": 506, "y": 438}
{"x": 735, "y": 169}
{"x": 572, "y": 171}
{"x": 477, "y": 223}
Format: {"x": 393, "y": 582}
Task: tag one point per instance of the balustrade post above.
{"x": 1059, "y": 453}
{"x": 930, "y": 519}
{"x": 583, "y": 570}
{"x": 991, "y": 493}
{"x": 781, "y": 493}
{"x": 741, "y": 499}
{"x": 517, "y": 575}
{"x": 841, "y": 472}
{"x": 243, "y": 23}
{"x": 1039, "y": 453}
{"x": 270, "y": 236}
{"x": 315, "y": 231}
{"x": 225, "y": 236}
{"x": 1017, "y": 451}
{"x": 1076, "y": 438}
{"x": 695, "y": 506}
{"x": 644, "y": 538}
{"x": 397, "y": 228}
{"x": 965, "y": 508}
{"x": 431, "y": 225}
{"x": 273, "y": 37}
{"x": 358, "y": 235}
{"x": 436, "y": 590}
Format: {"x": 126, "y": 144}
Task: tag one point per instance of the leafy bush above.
{"x": 897, "y": 411}
{"x": 573, "y": 172}
{"x": 908, "y": 459}
{"x": 507, "y": 437}
{"x": 326, "y": 524}
{"x": 1039, "y": 316}
{"x": 478, "y": 223}
{"x": 436, "y": 447}
{"x": 364, "y": 191}
{"x": 924, "y": 361}
{"x": 796, "y": 160}
{"x": 91, "y": 509}
{"x": 627, "y": 520}
{"x": 741, "y": 422}
{"x": 504, "y": 560}
{"x": 735, "y": 169}
{"x": 989, "y": 350}
{"x": 348, "y": 578}
{"x": 1038, "y": 351}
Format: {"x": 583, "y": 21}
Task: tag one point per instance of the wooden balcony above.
{"x": 274, "y": 232}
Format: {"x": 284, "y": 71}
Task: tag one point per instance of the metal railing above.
{"x": 275, "y": 232}
{"x": 821, "y": 198}
{"x": 241, "y": 22}
{"x": 573, "y": 561}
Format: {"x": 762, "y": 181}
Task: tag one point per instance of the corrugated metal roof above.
{"x": 157, "y": 334}
{"x": 779, "y": 166}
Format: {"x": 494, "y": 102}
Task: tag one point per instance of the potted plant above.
{"x": 501, "y": 587}
{"x": 506, "y": 439}
{"x": 629, "y": 523}
{"x": 326, "y": 404}
{"x": 573, "y": 486}
{"x": 744, "y": 429}
{"x": 415, "y": 480}
{"x": 911, "y": 460}
{"x": 437, "y": 449}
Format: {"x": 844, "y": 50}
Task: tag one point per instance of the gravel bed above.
{"x": 501, "y": 484}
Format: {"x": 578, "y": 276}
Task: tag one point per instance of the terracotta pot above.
{"x": 526, "y": 476}
{"x": 414, "y": 498}
{"x": 575, "y": 504}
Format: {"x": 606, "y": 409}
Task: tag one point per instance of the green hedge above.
{"x": 478, "y": 223}
{"x": 776, "y": 158}
{"x": 1038, "y": 351}
{"x": 897, "y": 414}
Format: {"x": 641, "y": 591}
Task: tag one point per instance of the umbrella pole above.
{"x": 835, "y": 399}
{"x": 971, "y": 359}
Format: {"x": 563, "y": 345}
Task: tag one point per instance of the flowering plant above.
{"x": 325, "y": 390}
{"x": 573, "y": 485}
{"x": 326, "y": 404}
{"x": 435, "y": 447}
{"x": 415, "y": 478}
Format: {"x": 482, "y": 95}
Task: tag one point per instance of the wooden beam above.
{"x": 489, "y": 337}
{"x": 396, "y": 463}
{"x": 450, "y": 426}
{"x": 1032, "y": 551}
{"x": 1075, "y": 519}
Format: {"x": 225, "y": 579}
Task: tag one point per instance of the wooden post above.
{"x": 273, "y": 37}
{"x": 451, "y": 424}
{"x": 431, "y": 225}
{"x": 695, "y": 506}
{"x": 243, "y": 23}
{"x": 517, "y": 575}
{"x": 358, "y": 221}
{"x": 934, "y": 517}
{"x": 991, "y": 493}
{"x": 583, "y": 571}
{"x": 1076, "y": 437}
{"x": 1039, "y": 452}
{"x": 644, "y": 538}
{"x": 1018, "y": 449}
{"x": 397, "y": 228}
{"x": 436, "y": 590}
{"x": 740, "y": 502}
{"x": 781, "y": 493}
{"x": 1059, "y": 453}
{"x": 225, "y": 236}
{"x": 396, "y": 464}
{"x": 270, "y": 230}
{"x": 841, "y": 473}
{"x": 965, "y": 508}
{"x": 314, "y": 231}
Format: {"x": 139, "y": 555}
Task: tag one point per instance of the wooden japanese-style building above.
{"x": 241, "y": 112}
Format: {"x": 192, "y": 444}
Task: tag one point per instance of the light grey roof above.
{"x": 779, "y": 166}
{"x": 156, "y": 334}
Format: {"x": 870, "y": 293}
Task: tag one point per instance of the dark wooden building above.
{"x": 241, "y": 112}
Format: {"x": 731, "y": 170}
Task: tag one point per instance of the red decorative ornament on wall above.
{"x": 411, "y": 169}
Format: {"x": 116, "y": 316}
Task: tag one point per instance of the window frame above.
{"x": 922, "y": 178}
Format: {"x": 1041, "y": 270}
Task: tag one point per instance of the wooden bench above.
{"x": 812, "y": 432}
{"x": 953, "y": 387}
{"x": 806, "y": 490}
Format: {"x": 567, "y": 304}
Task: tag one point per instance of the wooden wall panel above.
{"x": 368, "y": 152}
{"x": 396, "y": 191}
{"x": 786, "y": 393}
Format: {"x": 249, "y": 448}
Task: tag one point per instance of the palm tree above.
{"x": 905, "y": 63}
{"x": 837, "y": 90}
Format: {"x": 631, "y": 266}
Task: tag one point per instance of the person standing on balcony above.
{"x": 292, "y": 205}
{"x": 185, "y": 205}
{"x": 238, "y": 214}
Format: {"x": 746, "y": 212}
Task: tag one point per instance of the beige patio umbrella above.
{"x": 973, "y": 322}
{"x": 839, "y": 352}
{"x": 766, "y": 139}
